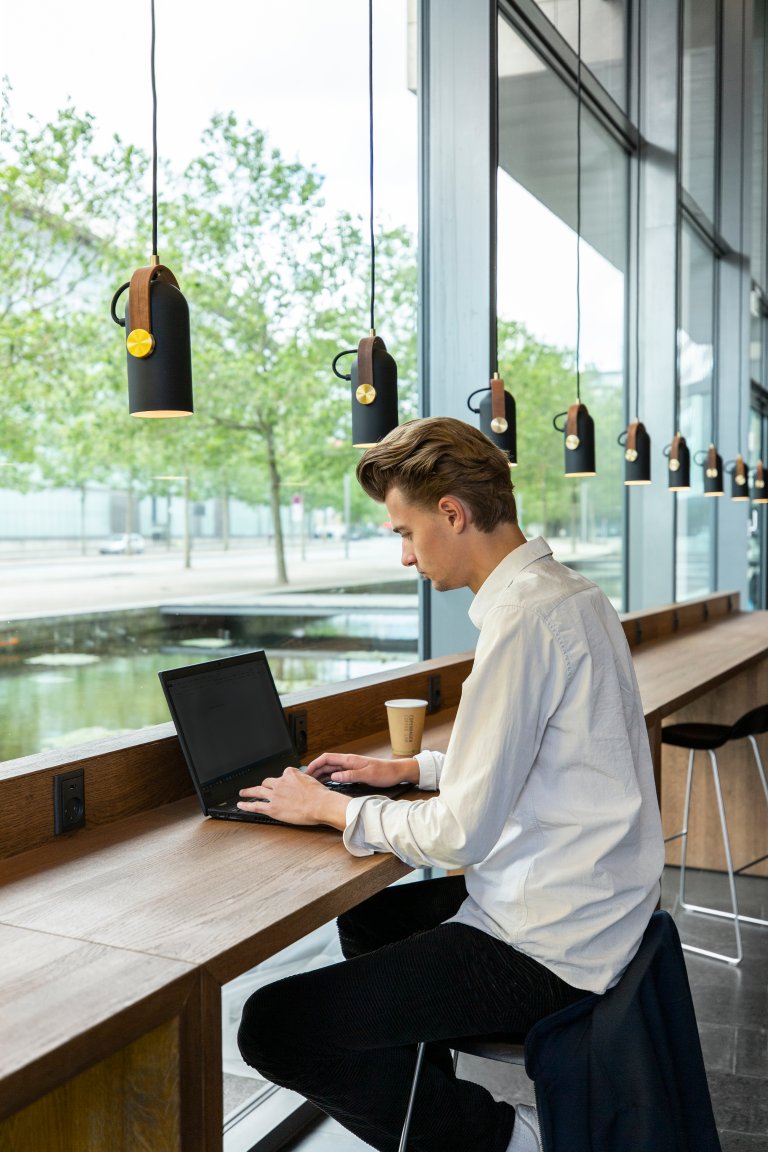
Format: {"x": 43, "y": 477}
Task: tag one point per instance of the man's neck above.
{"x": 490, "y": 548}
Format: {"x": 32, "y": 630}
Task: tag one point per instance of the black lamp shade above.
{"x": 760, "y": 484}
{"x": 374, "y": 392}
{"x": 579, "y": 439}
{"x": 739, "y": 479}
{"x": 498, "y": 418}
{"x": 679, "y": 467}
{"x": 637, "y": 454}
{"x": 713, "y": 473}
{"x": 158, "y": 350}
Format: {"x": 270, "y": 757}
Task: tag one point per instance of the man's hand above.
{"x": 346, "y": 768}
{"x": 296, "y": 798}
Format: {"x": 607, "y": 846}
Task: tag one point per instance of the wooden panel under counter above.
{"x": 103, "y": 1048}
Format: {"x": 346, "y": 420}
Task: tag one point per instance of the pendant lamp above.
{"x": 739, "y": 474}
{"x": 679, "y": 465}
{"x": 635, "y": 440}
{"x": 373, "y": 375}
{"x": 712, "y": 462}
{"x": 759, "y": 484}
{"x": 498, "y": 416}
{"x": 158, "y": 351}
{"x": 637, "y": 454}
{"x": 578, "y": 427}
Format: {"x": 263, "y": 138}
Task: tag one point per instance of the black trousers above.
{"x": 344, "y": 1036}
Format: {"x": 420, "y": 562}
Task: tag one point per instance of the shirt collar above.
{"x": 504, "y": 574}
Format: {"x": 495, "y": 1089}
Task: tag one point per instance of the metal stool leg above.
{"x": 684, "y": 834}
{"x": 403, "y": 1145}
{"x": 734, "y": 915}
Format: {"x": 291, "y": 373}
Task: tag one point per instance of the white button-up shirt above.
{"x": 547, "y": 798}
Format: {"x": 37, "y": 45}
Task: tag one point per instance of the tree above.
{"x": 276, "y": 280}
{"x": 276, "y": 286}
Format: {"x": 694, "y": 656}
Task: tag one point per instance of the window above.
{"x": 537, "y": 322}
{"x": 695, "y": 511}
{"x": 603, "y": 38}
{"x": 700, "y": 107}
{"x": 114, "y": 529}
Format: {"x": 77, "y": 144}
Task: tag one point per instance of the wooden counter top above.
{"x": 673, "y": 670}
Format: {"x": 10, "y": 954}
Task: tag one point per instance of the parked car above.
{"x": 120, "y": 543}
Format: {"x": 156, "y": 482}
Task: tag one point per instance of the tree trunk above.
{"x": 274, "y": 501}
{"x": 83, "y": 493}
{"x": 225, "y": 519}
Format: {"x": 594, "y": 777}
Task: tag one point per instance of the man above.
{"x": 546, "y": 803}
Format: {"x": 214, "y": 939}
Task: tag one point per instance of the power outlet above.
{"x": 297, "y": 724}
{"x": 68, "y": 801}
{"x": 434, "y": 693}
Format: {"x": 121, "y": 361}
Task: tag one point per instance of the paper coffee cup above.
{"x": 406, "y": 725}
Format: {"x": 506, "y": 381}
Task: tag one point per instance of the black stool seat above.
{"x": 702, "y": 736}
{"x": 699, "y": 736}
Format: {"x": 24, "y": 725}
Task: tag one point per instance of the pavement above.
{"x": 44, "y": 582}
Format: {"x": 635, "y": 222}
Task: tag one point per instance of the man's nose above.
{"x": 407, "y": 558}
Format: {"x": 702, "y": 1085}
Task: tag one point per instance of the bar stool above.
{"x": 623, "y": 1069}
{"x": 510, "y": 1050}
{"x": 703, "y": 737}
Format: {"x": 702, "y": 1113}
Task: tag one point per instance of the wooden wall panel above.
{"x": 126, "y": 1103}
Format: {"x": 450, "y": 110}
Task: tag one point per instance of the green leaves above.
{"x": 276, "y": 285}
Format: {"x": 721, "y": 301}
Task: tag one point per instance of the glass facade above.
{"x": 700, "y": 102}
{"x": 538, "y": 313}
{"x": 696, "y": 350}
{"x": 603, "y": 38}
{"x": 263, "y": 217}
{"x": 257, "y": 491}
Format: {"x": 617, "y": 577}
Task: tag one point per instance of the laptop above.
{"x": 233, "y": 732}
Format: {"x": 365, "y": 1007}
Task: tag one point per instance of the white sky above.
{"x": 297, "y": 70}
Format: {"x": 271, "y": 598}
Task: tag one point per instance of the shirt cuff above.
{"x": 427, "y": 771}
{"x": 354, "y": 833}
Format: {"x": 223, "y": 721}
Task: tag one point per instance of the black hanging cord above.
{"x": 370, "y": 149}
{"x": 154, "y": 134}
{"x": 637, "y": 206}
{"x": 739, "y": 384}
{"x": 578, "y": 207}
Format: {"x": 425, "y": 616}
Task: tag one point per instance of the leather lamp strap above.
{"x": 498, "y": 401}
{"x": 365, "y": 351}
{"x": 572, "y": 421}
{"x": 139, "y": 293}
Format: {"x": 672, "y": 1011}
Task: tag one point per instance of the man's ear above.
{"x": 455, "y": 511}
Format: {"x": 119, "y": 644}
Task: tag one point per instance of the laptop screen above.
{"x": 228, "y": 716}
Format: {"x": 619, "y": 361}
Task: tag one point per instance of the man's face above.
{"x": 429, "y": 539}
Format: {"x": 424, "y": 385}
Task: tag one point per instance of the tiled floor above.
{"x": 731, "y": 1009}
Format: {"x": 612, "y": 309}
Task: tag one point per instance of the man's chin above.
{"x": 439, "y": 585}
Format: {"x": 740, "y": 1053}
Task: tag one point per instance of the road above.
{"x": 53, "y": 585}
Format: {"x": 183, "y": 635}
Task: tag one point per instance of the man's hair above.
{"x": 439, "y": 456}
